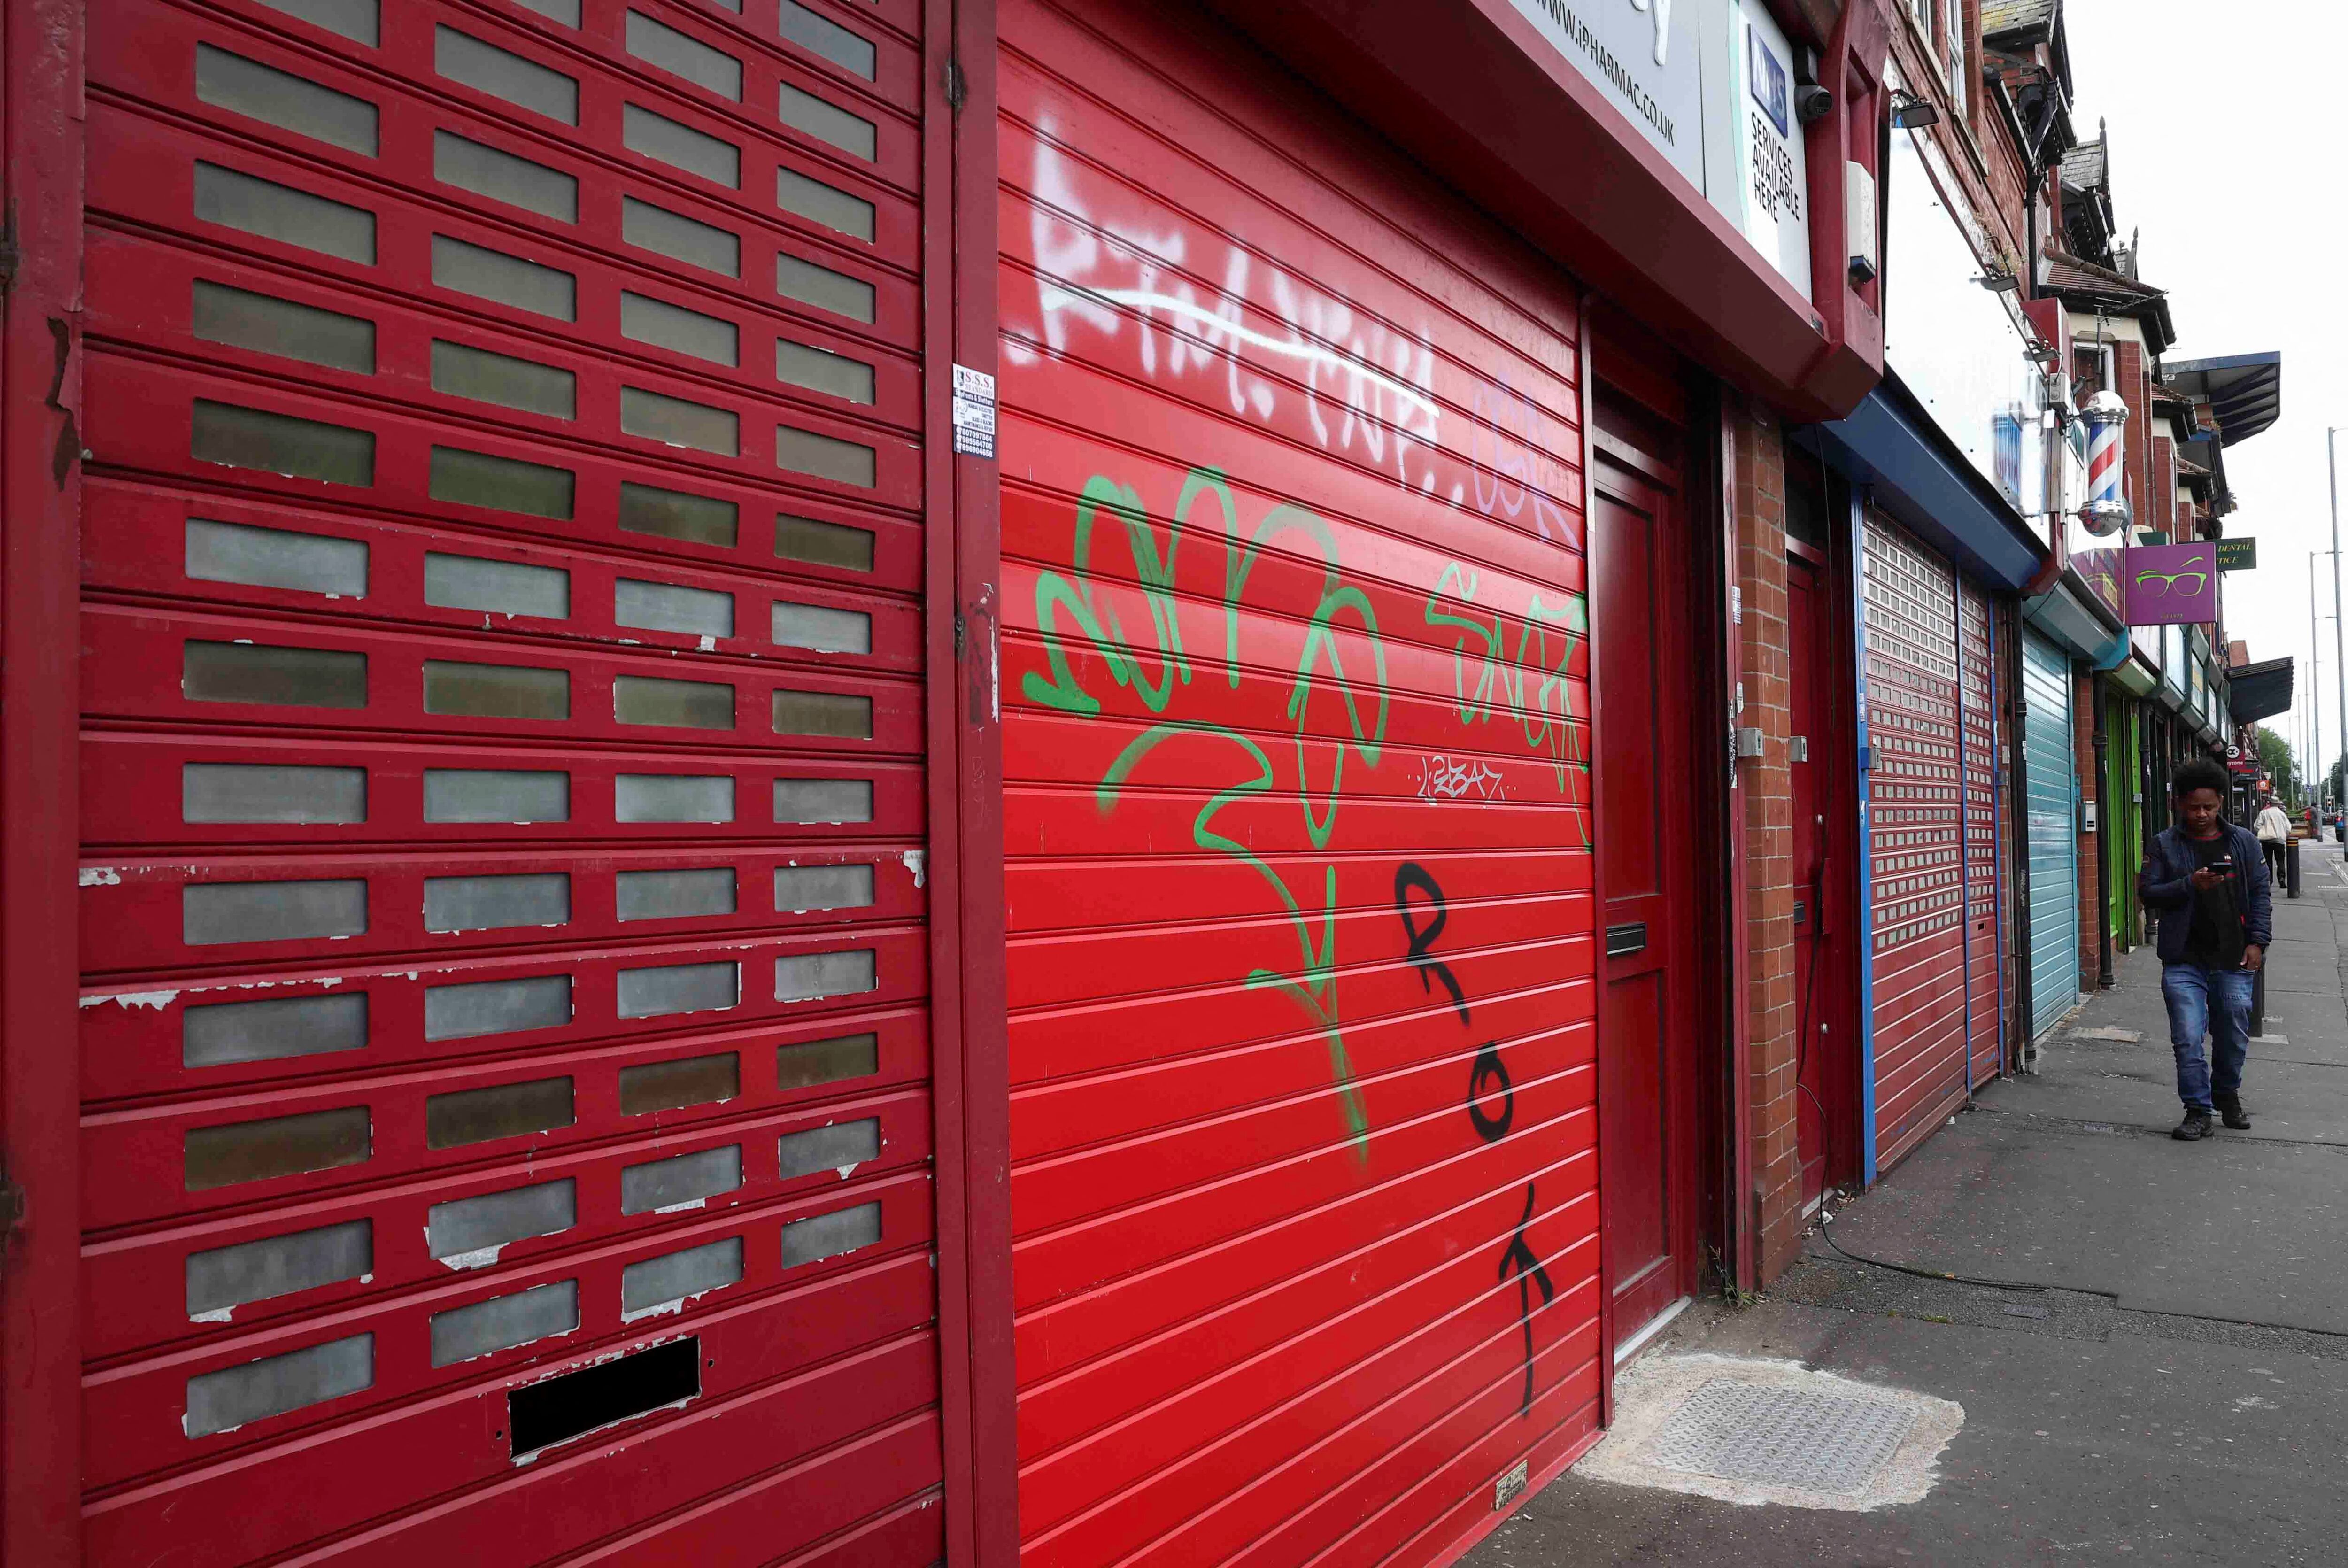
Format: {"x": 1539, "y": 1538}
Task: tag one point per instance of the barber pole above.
{"x": 2107, "y": 512}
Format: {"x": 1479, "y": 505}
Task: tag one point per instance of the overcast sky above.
{"x": 2230, "y": 151}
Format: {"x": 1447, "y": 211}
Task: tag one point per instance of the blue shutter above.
{"x": 2051, "y": 789}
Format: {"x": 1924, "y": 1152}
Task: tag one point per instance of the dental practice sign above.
{"x": 1710, "y": 84}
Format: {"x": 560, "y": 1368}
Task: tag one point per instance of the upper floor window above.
{"x": 1944, "y": 22}
{"x": 1953, "y": 51}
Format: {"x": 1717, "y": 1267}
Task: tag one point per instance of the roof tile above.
{"x": 2084, "y": 167}
{"x": 2000, "y": 17}
{"x": 2067, "y": 274}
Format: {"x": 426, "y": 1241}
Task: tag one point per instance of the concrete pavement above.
{"x": 2177, "y": 1394}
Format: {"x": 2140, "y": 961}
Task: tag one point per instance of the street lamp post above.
{"x": 2339, "y": 628}
{"x": 2314, "y": 703}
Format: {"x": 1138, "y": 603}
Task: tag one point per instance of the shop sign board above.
{"x": 1710, "y": 84}
{"x": 1759, "y": 177}
{"x": 2237, "y": 554}
{"x": 2172, "y": 586}
{"x": 1645, "y": 57}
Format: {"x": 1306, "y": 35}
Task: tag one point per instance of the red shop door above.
{"x": 505, "y": 1039}
{"x": 1648, "y": 841}
{"x": 1825, "y": 1106}
{"x": 1295, "y": 763}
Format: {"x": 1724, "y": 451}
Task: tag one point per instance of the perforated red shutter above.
{"x": 1299, "y": 887}
{"x": 1984, "y": 838}
{"x": 1916, "y": 848}
{"x": 504, "y": 1030}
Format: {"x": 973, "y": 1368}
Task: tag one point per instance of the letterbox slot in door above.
{"x": 603, "y": 1395}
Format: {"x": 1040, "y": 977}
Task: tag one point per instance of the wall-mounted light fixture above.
{"x": 1999, "y": 282}
{"x": 1909, "y": 112}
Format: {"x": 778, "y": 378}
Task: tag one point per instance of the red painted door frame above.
{"x": 1594, "y": 665}
{"x": 1628, "y": 477}
{"x": 1652, "y": 403}
{"x": 1813, "y": 1128}
{"x": 40, "y": 692}
{"x": 972, "y": 1096}
{"x": 1825, "y": 871}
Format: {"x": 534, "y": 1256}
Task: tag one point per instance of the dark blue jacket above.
{"x": 2169, "y": 861}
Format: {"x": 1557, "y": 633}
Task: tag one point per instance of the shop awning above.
{"x": 2245, "y": 390}
{"x": 1890, "y": 444}
{"x": 2260, "y": 690}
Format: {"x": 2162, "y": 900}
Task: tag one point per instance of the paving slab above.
{"x": 2230, "y": 1228}
{"x": 2122, "y": 1449}
{"x": 2069, "y": 1178}
{"x": 2289, "y": 1097}
{"x": 2173, "y": 1388}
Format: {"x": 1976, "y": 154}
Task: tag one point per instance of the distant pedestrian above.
{"x": 2208, "y": 879}
{"x": 2274, "y": 836}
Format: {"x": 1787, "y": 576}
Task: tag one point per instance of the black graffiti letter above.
{"x": 1530, "y": 1273}
{"x": 1409, "y": 875}
{"x": 1490, "y": 1069}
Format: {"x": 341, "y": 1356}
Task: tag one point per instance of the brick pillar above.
{"x": 2162, "y": 512}
{"x": 2091, "y": 865}
{"x": 1766, "y": 787}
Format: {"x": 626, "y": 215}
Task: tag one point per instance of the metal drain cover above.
{"x": 1777, "y": 1436}
{"x": 1751, "y": 1432}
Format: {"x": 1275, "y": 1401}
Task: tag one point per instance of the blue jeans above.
{"x": 2214, "y": 1002}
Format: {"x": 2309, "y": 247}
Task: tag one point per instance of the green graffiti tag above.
{"x": 1155, "y": 673}
{"x": 1530, "y": 686}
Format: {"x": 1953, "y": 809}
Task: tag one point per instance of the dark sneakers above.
{"x": 2236, "y": 1117}
{"x": 2195, "y": 1125}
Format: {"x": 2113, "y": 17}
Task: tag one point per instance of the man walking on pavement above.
{"x": 2208, "y": 881}
{"x": 2274, "y": 836}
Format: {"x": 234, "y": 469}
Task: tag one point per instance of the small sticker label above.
{"x": 1509, "y": 1487}
{"x": 973, "y": 412}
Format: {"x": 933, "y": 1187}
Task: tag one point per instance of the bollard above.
{"x": 2258, "y": 1003}
{"x": 2291, "y": 866}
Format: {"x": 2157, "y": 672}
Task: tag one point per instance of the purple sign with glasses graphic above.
{"x": 2172, "y": 584}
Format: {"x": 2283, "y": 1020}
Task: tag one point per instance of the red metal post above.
{"x": 972, "y": 1082}
{"x": 40, "y": 532}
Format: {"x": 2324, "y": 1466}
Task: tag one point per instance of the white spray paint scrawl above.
{"x": 1368, "y": 386}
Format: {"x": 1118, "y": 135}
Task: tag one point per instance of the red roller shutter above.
{"x": 505, "y": 1043}
{"x": 1916, "y": 844}
{"x": 1299, "y": 880}
{"x": 1984, "y": 840}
